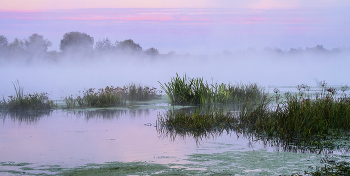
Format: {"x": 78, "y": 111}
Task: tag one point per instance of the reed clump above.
{"x": 299, "y": 119}
{"x": 184, "y": 91}
{"x": 29, "y": 102}
{"x": 107, "y": 97}
{"x": 136, "y": 92}
{"x": 112, "y": 96}
{"x": 304, "y": 117}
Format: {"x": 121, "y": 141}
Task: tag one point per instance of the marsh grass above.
{"x": 298, "y": 120}
{"x": 185, "y": 90}
{"x": 107, "y": 97}
{"x": 30, "y": 102}
{"x": 142, "y": 93}
{"x": 112, "y": 96}
{"x": 304, "y": 117}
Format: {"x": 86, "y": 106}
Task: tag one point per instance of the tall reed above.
{"x": 298, "y": 120}
{"x": 107, "y": 97}
{"x": 22, "y": 102}
{"x": 195, "y": 91}
{"x": 141, "y": 93}
{"x": 112, "y": 96}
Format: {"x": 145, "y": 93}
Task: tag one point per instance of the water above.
{"x": 68, "y": 139}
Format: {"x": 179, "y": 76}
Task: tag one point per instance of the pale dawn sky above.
{"x": 182, "y": 25}
{"x": 255, "y": 4}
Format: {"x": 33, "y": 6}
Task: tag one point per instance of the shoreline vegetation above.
{"x": 306, "y": 120}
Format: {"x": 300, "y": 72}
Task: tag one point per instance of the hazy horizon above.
{"x": 185, "y": 30}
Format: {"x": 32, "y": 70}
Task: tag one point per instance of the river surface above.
{"x": 73, "y": 138}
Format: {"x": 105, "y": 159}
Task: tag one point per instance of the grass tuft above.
{"x": 108, "y": 97}
{"x": 184, "y": 91}
{"x": 30, "y": 102}
{"x": 112, "y": 96}
{"x": 299, "y": 119}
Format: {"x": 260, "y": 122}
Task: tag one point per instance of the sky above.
{"x": 195, "y": 26}
{"x": 252, "y": 4}
{"x": 187, "y": 30}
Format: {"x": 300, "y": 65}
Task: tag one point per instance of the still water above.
{"x": 73, "y": 138}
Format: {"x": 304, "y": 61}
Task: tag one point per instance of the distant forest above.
{"x": 82, "y": 45}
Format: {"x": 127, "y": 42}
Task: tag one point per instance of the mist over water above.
{"x": 69, "y": 76}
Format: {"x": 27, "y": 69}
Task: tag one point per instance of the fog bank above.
{"x": 69, "y": 76}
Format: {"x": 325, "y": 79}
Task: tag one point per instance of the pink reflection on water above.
{"x": 72, "y": 139}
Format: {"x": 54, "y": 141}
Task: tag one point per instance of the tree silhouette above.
{"x": 77, "y": 42}
{"x": 152, "y": 52}
{"x": 17, "y": 47}
{"x": 3, "y": 45}
{"x": 104, "y": 46}
{"x": 128, "y": 46}
{"x": 36, "y": 44}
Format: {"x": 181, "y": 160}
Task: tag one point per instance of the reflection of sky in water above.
{"x": 75, "y": 138}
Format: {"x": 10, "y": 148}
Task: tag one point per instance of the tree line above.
{"x": 81, "y": 45}
{"x": 73, "y": 44}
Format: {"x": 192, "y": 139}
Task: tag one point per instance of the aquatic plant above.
{"x": 30, "y": 102}
{"x": 112, "y": 96}
{"x": 70, "y": 102}
{"x": 107, "y": 97}
{"x": 187, "y": 90}
{"x": 141, "y": 93}
{"x": 298, "y": 120}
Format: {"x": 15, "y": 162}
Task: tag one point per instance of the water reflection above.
{"x": 27, "y": 117}
{"x": 100, "y": 114}
{"x": 198, "y": 136}
{"x": 327, "y": 146}
{"x": 253, "y": 138}
{"x": 138, "y": 112}
{"x": 109, "y": 114}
